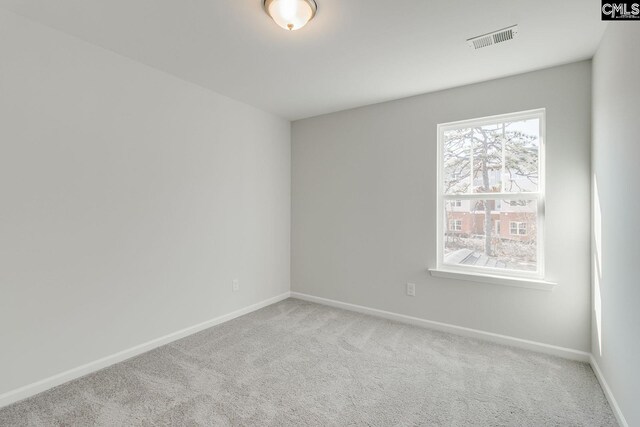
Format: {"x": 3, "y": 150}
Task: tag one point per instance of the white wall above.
{"x": 364, "y": 219}
{"x": 616, "y": 248}
{"x": 129, "y": 200}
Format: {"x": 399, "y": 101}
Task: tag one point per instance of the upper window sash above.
{"x": 507, "y": 140}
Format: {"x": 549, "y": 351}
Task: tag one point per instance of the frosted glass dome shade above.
{"x": 291, "y": 14}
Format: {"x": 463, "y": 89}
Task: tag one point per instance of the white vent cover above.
{"x": 495, "y": 37}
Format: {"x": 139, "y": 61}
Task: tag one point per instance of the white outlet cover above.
{"x": 235, "y": 285}
{"x": 411, "y": 289}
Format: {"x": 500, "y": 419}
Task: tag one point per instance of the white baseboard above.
{"x": 563, "y": 352}
{"x": 61, "y": 378}
{"x": 607, "y": 392}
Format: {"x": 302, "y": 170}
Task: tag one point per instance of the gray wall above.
{"x": 616, "y": 151}
{"x": 364, "y": 220}
{"x": 129, "y": 201}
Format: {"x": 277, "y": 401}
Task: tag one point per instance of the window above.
{"x": 518, "y": 228}
{"x": 496, "y": 165}
{"x": 455, "y": 225}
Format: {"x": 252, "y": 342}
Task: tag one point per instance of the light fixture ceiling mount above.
{"x": 291, "y": 14}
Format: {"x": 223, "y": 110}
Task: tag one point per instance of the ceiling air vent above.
{"x": 495, "y": 37}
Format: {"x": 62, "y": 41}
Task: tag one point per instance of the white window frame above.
{"x": 495, "y": 275}
{"x": 455, "y": 223}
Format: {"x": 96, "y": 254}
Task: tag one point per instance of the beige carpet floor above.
{"x": 298, "y": 363}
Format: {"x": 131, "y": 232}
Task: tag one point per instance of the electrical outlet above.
{"x": 235, "y": 285}
{"x": 411, "y": 289}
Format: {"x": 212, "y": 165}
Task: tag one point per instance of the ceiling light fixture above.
{"x": 291, "y": 14}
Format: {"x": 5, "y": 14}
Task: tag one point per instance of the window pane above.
{"x": 493, "y": 158}
{"x": 476, "y": 241}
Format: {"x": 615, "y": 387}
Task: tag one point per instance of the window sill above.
{"x": 495, "y": 279}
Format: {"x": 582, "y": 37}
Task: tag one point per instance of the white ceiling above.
{"x": 355, "y": 52}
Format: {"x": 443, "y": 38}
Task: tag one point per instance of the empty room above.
{"x": 319, "y": 213}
